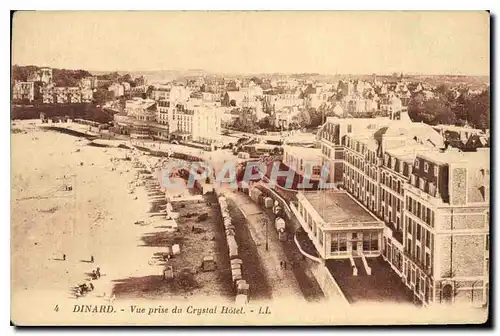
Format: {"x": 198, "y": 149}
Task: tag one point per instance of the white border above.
{"x": 182, "y": 5}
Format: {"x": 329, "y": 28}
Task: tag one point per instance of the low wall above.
{"x": 328, "y": 284}
{"x": 175, "y": 155}
{"x": 313, "y": 258}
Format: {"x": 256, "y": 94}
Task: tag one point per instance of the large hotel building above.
{"x": 431, "y": 200}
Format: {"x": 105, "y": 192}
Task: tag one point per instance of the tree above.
{"x": 433, "y": 111}
{"x": 339, "y": 96}
{"x": 478, "y": 110}
{"x": 126, "y": 78}
{"x": 303, "y": 118}
{"x": 246, "y": 121}
{"x": 149, "y": 90}
{"x": 264, "y": 123}
{"x": 459, "y": 108}
{"x": 65, "y": 78}
{"x": 21, "y": 73}
{"x": 256, "y": 80}
{"x": 316, "y": 117}
{"x": 102, "y": 96}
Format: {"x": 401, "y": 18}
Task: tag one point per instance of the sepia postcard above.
{"x": 250, "y": 168}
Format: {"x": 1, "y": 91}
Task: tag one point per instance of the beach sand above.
{"x": 95, "y": 218}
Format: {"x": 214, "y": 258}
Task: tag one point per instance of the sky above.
{"x": 325, "y": 42}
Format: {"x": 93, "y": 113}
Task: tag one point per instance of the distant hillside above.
{"x": 159, "y": 76}
{"x": 61, "y": 77}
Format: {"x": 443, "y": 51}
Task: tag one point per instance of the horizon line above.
{"x": 249, "y": 73}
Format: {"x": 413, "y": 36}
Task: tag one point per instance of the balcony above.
{"x": 398, "y": 235}
{"x": 423, "y": 195}
{"x": 427, "y": 270}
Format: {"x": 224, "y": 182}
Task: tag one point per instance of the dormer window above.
{"x": 426, "y": 167}
{"x": 421, "y": 184}
{"x": 416, "y": 163}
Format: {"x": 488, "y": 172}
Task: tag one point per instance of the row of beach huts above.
{"x": 242, "y": 288}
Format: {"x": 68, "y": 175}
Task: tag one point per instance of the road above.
{"x": 282, "y": 282}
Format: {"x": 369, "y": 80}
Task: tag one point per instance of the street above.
{"x": 282, "y": 281}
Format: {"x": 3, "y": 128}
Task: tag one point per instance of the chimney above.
{"x": 446, "y": 144}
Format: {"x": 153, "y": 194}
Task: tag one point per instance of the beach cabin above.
{"x": 242, "y": 287}
{"x": 176, "y": 249}
{"x": 241, "y": 299}
{"x": 208, "y": 264}
{"x": 168, "y": 273}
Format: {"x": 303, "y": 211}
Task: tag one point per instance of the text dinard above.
{"x": 191, "y": 310}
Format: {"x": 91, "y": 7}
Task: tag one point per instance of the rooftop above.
{"x": 338, "y": 208}
{"x": 452, "y": 155}
{"x": 304, "y": 152}
{"x": 408, "y": 152}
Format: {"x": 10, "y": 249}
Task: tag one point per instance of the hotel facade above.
{"x": 432, "y": 199}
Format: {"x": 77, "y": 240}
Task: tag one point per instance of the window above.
{"x": 342, "y": 242}
{"x": 421, "y": 183}
{"x": 374, "y": 241}
{"x": 366, "y": 241}
{"x": 334, "y": 247}
{"x": 435, "y": 170}
{"x": 487, "y": 242}
{"x": 426, "y": 167}
{"x": 416, "y": 163}
{"x": 419, "y": 232}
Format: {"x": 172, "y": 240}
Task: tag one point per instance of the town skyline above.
{"x": 240, "y": 43}
{"x": 208, "y": 72}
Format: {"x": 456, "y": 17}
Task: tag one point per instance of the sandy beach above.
{"x": 68, "y": 200}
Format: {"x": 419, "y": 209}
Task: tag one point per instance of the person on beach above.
{"x": 94, "y": 275}
{"x": 98, "y": 272}
{"x": 64, "y": 257}
{"x": 91, "y": 285}
{"x": 91, "y": 258}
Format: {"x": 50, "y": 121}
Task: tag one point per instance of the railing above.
{"x": 353, "y": 265}
{"x": 365, "y": 263}
{"x": 355, "y": 224}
